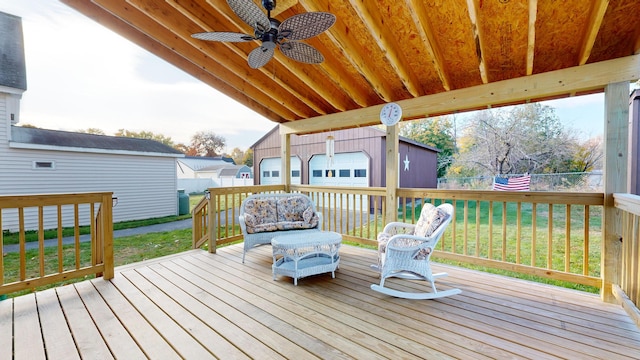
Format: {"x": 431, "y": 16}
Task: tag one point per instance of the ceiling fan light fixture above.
{"x": 269, "y": 45}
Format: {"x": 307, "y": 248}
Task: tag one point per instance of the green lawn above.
{"x": 481, "y": 246}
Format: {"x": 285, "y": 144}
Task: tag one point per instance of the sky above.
{"x": 82, "y": 75}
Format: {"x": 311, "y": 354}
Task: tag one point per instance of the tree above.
{"x": 588, "y": 155}
{"x": 524, "y": 139}
{"x": 207, "y": 143}
{"x": 94, "y": 131}
{"x": 237, "y": 155}
{"x": 437, "y": 132}
{"x": 185, "y": 149}
{"x": 248, "y": 158}
{"x": 145, "y": 135}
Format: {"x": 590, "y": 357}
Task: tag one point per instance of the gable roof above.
{"x": 197, "y": 163}
{"x": 296, "y": 140}
{"x": 67, "y": 139}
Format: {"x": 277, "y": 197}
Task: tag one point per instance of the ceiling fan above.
{"x": 274, "y": 34}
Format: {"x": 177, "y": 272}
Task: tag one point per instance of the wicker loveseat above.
{"x": 265, "y": 216}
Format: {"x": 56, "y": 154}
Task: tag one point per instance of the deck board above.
{"x": 55, "y": 332}
{"x": 201, "y": 305}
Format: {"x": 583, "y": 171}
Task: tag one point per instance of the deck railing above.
{"x": 33, "y": 215}
{"x": 628, "y": 291}
{"x": 550, "y": 235}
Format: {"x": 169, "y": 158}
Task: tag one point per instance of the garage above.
{"x": 270, "y": 170}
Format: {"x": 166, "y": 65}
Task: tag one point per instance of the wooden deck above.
{"x": 197, "y": 305}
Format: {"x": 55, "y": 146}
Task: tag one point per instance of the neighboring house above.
{"x": 359, "y": 160}
{"x": 140, "y": 173}
{"x": 221, "y": 172}
{"x": 198, "y": 173}
{"x": 189, "y": 167}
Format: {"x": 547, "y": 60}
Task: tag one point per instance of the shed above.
{"x": 359, "y": 160}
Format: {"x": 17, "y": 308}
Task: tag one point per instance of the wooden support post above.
{"x": 616, "y": 144}
{"x": 107, "y": 233}
{"x": 285, "y": 158}
{"x": 391, "y": 173}
{"x": 212, "y": 211}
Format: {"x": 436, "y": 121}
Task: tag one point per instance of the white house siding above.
{"x": 144, "y": 185}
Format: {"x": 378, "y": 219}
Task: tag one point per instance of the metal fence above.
{"x": 581, "y": 182}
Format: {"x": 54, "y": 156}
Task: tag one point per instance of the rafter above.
{"x": 598, "y": 9}
{"x": 383, "y": 38}
{"x": 419, "y": 16}
{"x": 531, "y": 38}
{"x": 472, "y": 5}
{"x": 341, "y": 39}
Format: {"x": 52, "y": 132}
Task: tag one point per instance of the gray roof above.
{"x": 90, "y": 141}
{"x": 13, "y": 72}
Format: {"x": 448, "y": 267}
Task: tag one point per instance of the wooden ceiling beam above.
{"x": 117, "y": 24}
{"x": 175, "y": 31}
{"x": 531, "y": 37}
{"x": 585, "y": 78}
{"x": 472, "y": 6}
{"x": 380, "y": 34}
{"x": 598, "y": 10}
{"x": 421, "y": 21}
{"x": 340, "y": 37}
{"x": 341, "y": 78}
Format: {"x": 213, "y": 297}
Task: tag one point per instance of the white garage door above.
{"x": 270, "y": 170}
{"x": 349, "y": 169}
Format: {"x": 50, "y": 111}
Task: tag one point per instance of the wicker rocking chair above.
{"x": 404, "y": 251}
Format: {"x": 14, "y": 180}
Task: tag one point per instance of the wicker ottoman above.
{"x": 300, "y": 255}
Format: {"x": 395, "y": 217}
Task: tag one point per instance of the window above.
{"x": 266, "y": 174}
{"x": 317, "y": 173}
{"x": 330, "y": 173}
{"x": 44, "y": 165}
{"x": 295, "y": 173}
{"x": 360, "y": 173}
{"x": 344, "y": 173}
{"x": 275, "y": 173}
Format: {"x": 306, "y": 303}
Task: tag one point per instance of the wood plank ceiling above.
{"x": 378, "y": 50}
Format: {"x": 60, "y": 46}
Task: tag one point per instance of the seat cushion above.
{"x": 291, "y": 208}
{"x": 430, "y": 219}
{"x": 260, "y": 215}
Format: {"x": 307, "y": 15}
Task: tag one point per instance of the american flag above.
{"x": 522, "y": 183}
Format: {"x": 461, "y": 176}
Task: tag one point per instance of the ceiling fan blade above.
{"x": 250, "y": 13}
{"x": 258, "y": 57}
{"x": 223, "y": 36}
{"x": 302, "y": 52}
{"x": 306, "y": 25}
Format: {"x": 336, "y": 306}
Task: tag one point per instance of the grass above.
{"x": 32, "y": 235}
{"x": 127, "y": 250}
{"x": 480, "y": 247}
